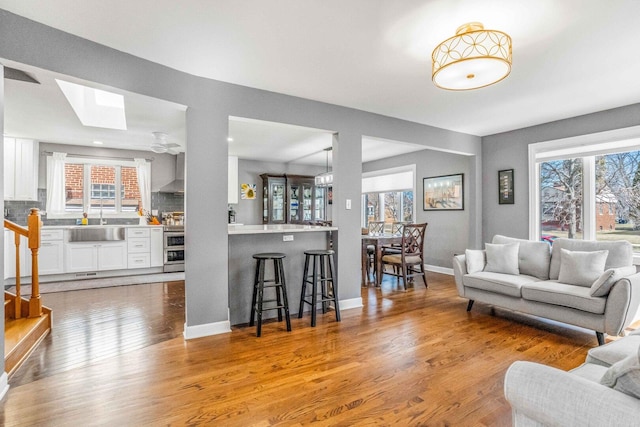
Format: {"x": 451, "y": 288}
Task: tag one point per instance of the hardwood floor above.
{"x": 414, "y": 358}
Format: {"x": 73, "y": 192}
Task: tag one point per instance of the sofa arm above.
{"x": 622, "y": 304}
{"x": 459, "y": 270}
{"x": 542, "y": 395}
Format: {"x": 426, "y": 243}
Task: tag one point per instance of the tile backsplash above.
{"x": 18, "y": 210}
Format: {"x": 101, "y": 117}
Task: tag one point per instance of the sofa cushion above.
{"x": 502, "y": 258}
{"x": 602, "y": 286}
{"x": 624, "y": 376}
{"x": 590, "y": 371}
{"x": 553, "y": 292}
{"x": 620, "y": 253}
{"x": 581, "y": 268}
{"x": 615, "y": 351}
{"x": 533, "y": 257}
{"x": 475, "y": 260}
{"x": 506, "y": 284}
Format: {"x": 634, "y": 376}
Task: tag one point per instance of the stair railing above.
{"x": 32, "y": 233}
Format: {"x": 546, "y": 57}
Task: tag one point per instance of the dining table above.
{"x": 378, "y": 241}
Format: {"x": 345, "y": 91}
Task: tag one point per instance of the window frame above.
{"x": 390, "y": 171}
{"x": 86, "y": 196}
{"x": 585, "y": 146}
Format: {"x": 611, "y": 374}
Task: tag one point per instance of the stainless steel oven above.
{"x": 173, "y": 248}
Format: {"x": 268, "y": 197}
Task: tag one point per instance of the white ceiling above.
{"x": 570, "y": 57}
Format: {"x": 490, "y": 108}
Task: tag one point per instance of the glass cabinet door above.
{"x": 277, "y": 202}
{"x": 320, "y": 204}
{"x": 294, "y": 203}
{"x": 307, "y": 202}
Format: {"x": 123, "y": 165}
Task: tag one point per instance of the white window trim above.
{"x": 390, "y": 171}
{"x": 96, "y": 161}
{"x": 626, "y": 139}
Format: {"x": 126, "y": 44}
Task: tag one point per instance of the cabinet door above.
{"x": 156, "y": 250}
{"x": 294, "y": 203}
{"x": 9, "y": 170}
{"x": 277, "y": 190}
{"x": 112, "y": 256}
{"x": 50, "y": 258}
{"x": 26, "y": 172}
{"x": 307, "y": 202}
{"x": 320, "y": 203}
{"x": 81, "y": 257}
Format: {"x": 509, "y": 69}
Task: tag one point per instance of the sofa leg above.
{"x": 470, "y": 305}
{"x": 600, "y": 337}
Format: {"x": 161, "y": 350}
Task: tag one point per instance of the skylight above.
{"x": 95, "y": 107}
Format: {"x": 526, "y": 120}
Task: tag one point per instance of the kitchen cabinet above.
{"x": 10, "y": 256}
{"x": 292, "y": 199}
{"x": 83, "y": 257}
{"x": 20, "y": 169}
{"x": 156, "y": 250}
{"x": 232, "y": 181}
{"x": 51, "y": 253}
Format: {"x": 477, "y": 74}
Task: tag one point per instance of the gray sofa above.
{"x": 604, "y": 391}
{"x": 589, "y": 284}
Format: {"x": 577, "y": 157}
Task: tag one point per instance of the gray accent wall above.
{"x": 510, "y": 150}
{"x": 210, "y": 103}
{"x": 448, "y": 232}
{"x": 249, "y": 171}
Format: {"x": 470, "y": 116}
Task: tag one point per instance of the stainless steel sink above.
{"x": 96, "y": 234}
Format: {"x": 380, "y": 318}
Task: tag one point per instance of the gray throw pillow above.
{"x": 474, "y": 259}
{"x": 624, "y": 376}
{"x": 581, "y": 268}
{"x": 603, "y": 284}
{"x": 502, "y": 258}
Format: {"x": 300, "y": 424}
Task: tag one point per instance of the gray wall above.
{"x": 210, "y": 103}
{"x": 249, "y": 171}
{"x": 509, "y": 150}
{"x": 448, "y": 232}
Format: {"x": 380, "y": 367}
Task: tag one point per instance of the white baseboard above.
{"x": 346, "y": 304}
{"x": 199, "y": 331}
{"x": 438, "y": 269}
{"x": 4, "y": 385}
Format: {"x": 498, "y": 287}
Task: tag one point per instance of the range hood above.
{"x": 177, "y": 185}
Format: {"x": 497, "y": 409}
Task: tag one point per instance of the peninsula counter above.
{"x": 290, "y": 239}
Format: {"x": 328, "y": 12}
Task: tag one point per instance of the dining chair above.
{"x": 375, "y": 228}
{"x": 410, "y": 261}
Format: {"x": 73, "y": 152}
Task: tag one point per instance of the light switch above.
{"x": 348, "y": 203}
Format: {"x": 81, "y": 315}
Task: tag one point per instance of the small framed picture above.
{"x": 505, "y": 187}
{"x": 443, "y": 193}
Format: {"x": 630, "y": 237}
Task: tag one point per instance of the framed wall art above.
{"x": 505, "y": 187}
{"x": 443, "y": 193}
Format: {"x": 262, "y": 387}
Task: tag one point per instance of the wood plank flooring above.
{"x": 414, "y": 358}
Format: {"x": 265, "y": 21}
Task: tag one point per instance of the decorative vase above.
{"x": 143, "y": 220}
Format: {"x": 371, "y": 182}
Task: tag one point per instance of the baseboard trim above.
{"x": 438, "y": 269}
{"x": 4, "y": 385}
{"x": 199, "y": 331}
{"x": 347, "y": 304}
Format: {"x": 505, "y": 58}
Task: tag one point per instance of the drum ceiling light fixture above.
{"x": 471, "y": 59}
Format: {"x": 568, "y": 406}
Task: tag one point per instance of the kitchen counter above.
{"x": 66, "y": 227}
{"x": 277, "y": 228}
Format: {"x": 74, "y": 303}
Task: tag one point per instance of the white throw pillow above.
{"x": 581, "y": 268}
{"x": 502, "y": 258}
{"x": 475, "y": 260}
{"x": 624, "y": 376}
{"x": 603, "y": 284}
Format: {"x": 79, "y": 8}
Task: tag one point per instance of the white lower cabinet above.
{"x": 157, "y": 247}
{"x": 83, "y": 257}
{"x": 10, "y": 256}
{"x": 51, "y": 258}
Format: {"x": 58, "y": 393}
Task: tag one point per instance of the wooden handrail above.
{"x": 32, "y": 233}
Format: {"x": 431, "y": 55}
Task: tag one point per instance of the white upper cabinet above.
{"x": 233, "y": 180}
{"x": 20, "y": 169}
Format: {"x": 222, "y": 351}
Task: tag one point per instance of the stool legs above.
{"x": 257, "y": 299}
{"x": 327, "y": 284}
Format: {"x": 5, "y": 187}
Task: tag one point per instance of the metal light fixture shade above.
{"x": 471, "y": 59}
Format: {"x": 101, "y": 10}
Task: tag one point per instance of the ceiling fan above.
{"x": 160, "y": 143}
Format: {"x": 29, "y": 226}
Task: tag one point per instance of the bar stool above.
{"x": 322, "y": 259}
{"x": 259, "y": 284}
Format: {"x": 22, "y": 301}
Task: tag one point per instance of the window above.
{"x": 388, "y": 195}
{"x": 97, "y": 185}
{"x": 587, "y": 188}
